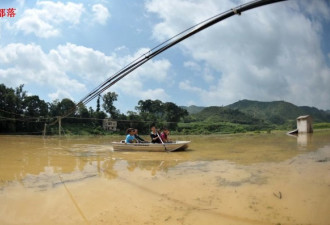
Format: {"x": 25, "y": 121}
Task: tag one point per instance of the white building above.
{"x": 109, "y": 124}
{"x": 305, "y": 124}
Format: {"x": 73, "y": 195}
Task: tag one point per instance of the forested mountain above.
{"x": 193, "y": 109}
{"x": 245, "y": 111}
{"x": 278, "y": 111}
{"x": 247, "y": 115}
{"x": 223, "y": 114}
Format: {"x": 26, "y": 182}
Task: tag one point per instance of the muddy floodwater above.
{"x": 223, "y": 179}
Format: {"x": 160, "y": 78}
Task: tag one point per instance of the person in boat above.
{"x": 164, "y": 135}
{"x": 154, "y": 134}
{"x": 130, "y": 136}
{"x": 137, "y": 137}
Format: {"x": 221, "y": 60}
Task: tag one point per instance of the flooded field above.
{"x": 226, "y": 179}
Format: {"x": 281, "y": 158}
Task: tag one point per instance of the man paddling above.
{"x": 137, "y": 137}
{"x": 154, "y": 134}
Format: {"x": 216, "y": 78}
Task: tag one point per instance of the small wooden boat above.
{"x": 152, "y": 147}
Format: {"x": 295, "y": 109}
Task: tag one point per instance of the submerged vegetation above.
{"x": 23, "y": 114}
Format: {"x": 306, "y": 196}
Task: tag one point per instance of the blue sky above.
{"x": 64, "y": 49}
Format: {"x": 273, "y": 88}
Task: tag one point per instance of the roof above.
{"x": 303, "y": 117}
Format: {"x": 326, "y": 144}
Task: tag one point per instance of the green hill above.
{"x": 247, "y": 115}
{"x": 193, "y": 109}
{"x": 223, "y": 114}
{"x": 217, "y": 119}
{"x": 278, "y": 112}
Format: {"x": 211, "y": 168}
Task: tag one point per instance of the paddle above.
{"x": 161, "y": 141}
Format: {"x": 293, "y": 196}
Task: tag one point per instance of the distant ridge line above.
{"x": 272, "y": 111}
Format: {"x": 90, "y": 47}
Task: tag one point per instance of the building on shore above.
{"x": 109, "y": 124}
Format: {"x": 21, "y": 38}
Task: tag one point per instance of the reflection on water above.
{"x": 202, "y": 182}
{"x": 304, "y": 139}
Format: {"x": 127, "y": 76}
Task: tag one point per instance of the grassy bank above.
{"x": 321, "y": 126}
{"x": 193, "y": 128}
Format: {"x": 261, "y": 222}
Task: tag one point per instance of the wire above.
{"x": 164, "y": 46}
{"x": 146, "y": 53}
{"x": 16, "y": 114}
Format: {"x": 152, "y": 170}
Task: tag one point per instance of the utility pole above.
{"x": 59, "y": 125}
{"x": 44, "y": 132}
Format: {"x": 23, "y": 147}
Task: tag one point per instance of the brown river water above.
{"x": 222, "y": 179}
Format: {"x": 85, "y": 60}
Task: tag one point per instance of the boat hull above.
{"x": 151, "y": 147}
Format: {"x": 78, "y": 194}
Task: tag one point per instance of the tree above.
{"x": 156, "y": 110}
{"x": 7, "y": 99}
{"x": 34, "y": 107}
{"x": 20, "y": 96}
{"x": 66, "y": 106}
{"x": 173, "y": 114}
{"x": 151, "y": 110}
{"x": 150, "y": 106}
{"x": 98, "y": 104}
{"x": 100, "y": 116}
{"x": 133, "y": 116}
{"x": 57, "y": 108}
{"x": 54, "y": 108}
{"x": 68, "y": 109}
{"x": 137, "y": 121}
{"x": 8, "y": 105}
{"x": 83, "y": 111}
{"x": 91, "y": 112}
{"x": 108, "y": 100}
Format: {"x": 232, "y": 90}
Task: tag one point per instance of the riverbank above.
{"x": 83, "y": 130}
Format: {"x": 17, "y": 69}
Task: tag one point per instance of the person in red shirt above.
{"x": 164, "y": 135}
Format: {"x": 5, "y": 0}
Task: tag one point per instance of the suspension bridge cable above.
{"x": 21, "y": 115}
{"x": 161, "y": 44}
{"x": 166, "y": 45}
{"x": 161, "y": 47}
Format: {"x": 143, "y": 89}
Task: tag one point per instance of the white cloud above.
{"x": 101, "y": 14}
{"x": 269, "y": 53}
{"x": 156, "y": 69}
{"x": 154, "y": 94}
{"x": 179, "y": 14}
{"x": 71, "y": 70}
{"x": 33, "y": 24}
{"x": 192, "y": 65}
{"x": 207, "y": 75}
{"x": 191, "y": 102}
{"x": 83, "y": 62}
{"x": 45, "y": 19}
{"x": 199, "y": 70}
{"x": 60, "y": 94}
{"x": 20, "y": 3}
{"x": 28, "y": 64}
{"x": 121, "y": 48}
{"x": 318, "y": 10}
{"x": 186, "y": 85}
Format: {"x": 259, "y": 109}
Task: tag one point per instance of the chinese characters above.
{"x": 10, "y": 12}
